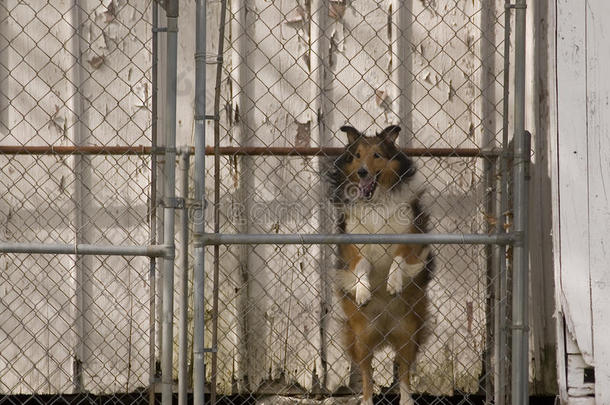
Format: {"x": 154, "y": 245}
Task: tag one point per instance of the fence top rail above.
{"x": 232, "y": 151}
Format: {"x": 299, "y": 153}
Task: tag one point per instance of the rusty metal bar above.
{"x": 334, "y": 151}
{"x": 234, "y": 151}
{"x": 77, "y": 149}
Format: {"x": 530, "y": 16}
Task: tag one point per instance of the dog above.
{"x": 381, "y": 288}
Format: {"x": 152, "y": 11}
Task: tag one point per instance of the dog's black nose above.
{"x": 362, "y": 172}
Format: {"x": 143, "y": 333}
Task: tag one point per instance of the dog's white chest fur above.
{"x": 389, "y": 213}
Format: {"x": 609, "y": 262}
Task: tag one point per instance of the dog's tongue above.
{"x": 366, "y": 187}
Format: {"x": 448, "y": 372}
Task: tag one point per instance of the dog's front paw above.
{"x": 395, "y": 275}
{"x": 406, "y": 400}
{"x": 363, "y": 294}
{"x": 405, "y": 395}
{"x": 412, "y": 270}
{"x": 363, "y": 286}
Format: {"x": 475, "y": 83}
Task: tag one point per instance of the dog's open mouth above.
{"x": 367, "y": 186}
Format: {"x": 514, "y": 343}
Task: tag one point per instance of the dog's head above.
{"x": 370, "y": 165}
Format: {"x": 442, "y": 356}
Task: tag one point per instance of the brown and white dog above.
{"x": 381, "y": 288}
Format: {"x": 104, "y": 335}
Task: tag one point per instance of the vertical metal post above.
{"x": 153, "y": 210}
{"x": 490, "y": 196}
{"x": 168, "y": 211}
{"x": 199, "y": 214}
{"x": 82, "y": 182}
{"x": 184, "y": 265}
{"x": 520, "y": 335}
{"x": 500, "y": 284}
{"x": 219, "y": 61}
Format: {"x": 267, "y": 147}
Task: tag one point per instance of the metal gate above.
{"x": 86, "y": 179}
{"x": 293, "y": 73}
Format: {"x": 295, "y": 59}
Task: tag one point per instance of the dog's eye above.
{"x": 376, "y": 155}
{"x": 357, "y": 155}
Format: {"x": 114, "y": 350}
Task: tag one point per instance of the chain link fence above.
{"x": 294, "y": 73}
{"x": 75, "y": 113}
{"x": 77, "y": 117}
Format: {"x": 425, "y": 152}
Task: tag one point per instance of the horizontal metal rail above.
{"x": 83, "y": 249}
{"x": 313, "y": 239}
{"x": 334, "y": 151}
{"x": 233, "y": 151}
{"x": 78, "y": 150}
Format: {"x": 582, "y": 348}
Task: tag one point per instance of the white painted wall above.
{"x": 583, "y": 208}
{"x": 69, "y": 88}
{"x": 274, "y": 325}
{"x": 271, "y": 297}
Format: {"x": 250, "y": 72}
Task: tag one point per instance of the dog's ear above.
{"x": 390, "y": 133}
{"x": 351, "y": 132}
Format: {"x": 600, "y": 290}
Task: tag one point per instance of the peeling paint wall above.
{"x": 294, "y": 73}
{"x": 74, "y": 76}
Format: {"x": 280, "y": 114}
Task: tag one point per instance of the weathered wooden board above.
{"x": 269, "y": 106}
{"x": 540, "y": 61}
{"x": 584, "y": 211}
{"x": 577, "y": 386}
{"x": 598, "y": 168}
{"x": 573, "y": 175}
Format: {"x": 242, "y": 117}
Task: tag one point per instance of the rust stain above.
{"x": 492, "y": 220}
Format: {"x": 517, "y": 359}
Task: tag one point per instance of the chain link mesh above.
{"x": 74, "y": 74}
{"x": 294, "y": 72}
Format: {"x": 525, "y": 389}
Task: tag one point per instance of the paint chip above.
{"x": 297, "y": 15}
{"x": 336, "y": 9}
{"x": 110, "y": 13}
{"x": 450, "y": 92}
{"x": 58, "y": 122}
{"x": 96, "y": 62}
{"x": 303, "y": 136}
{"x": 380, "y": 97}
